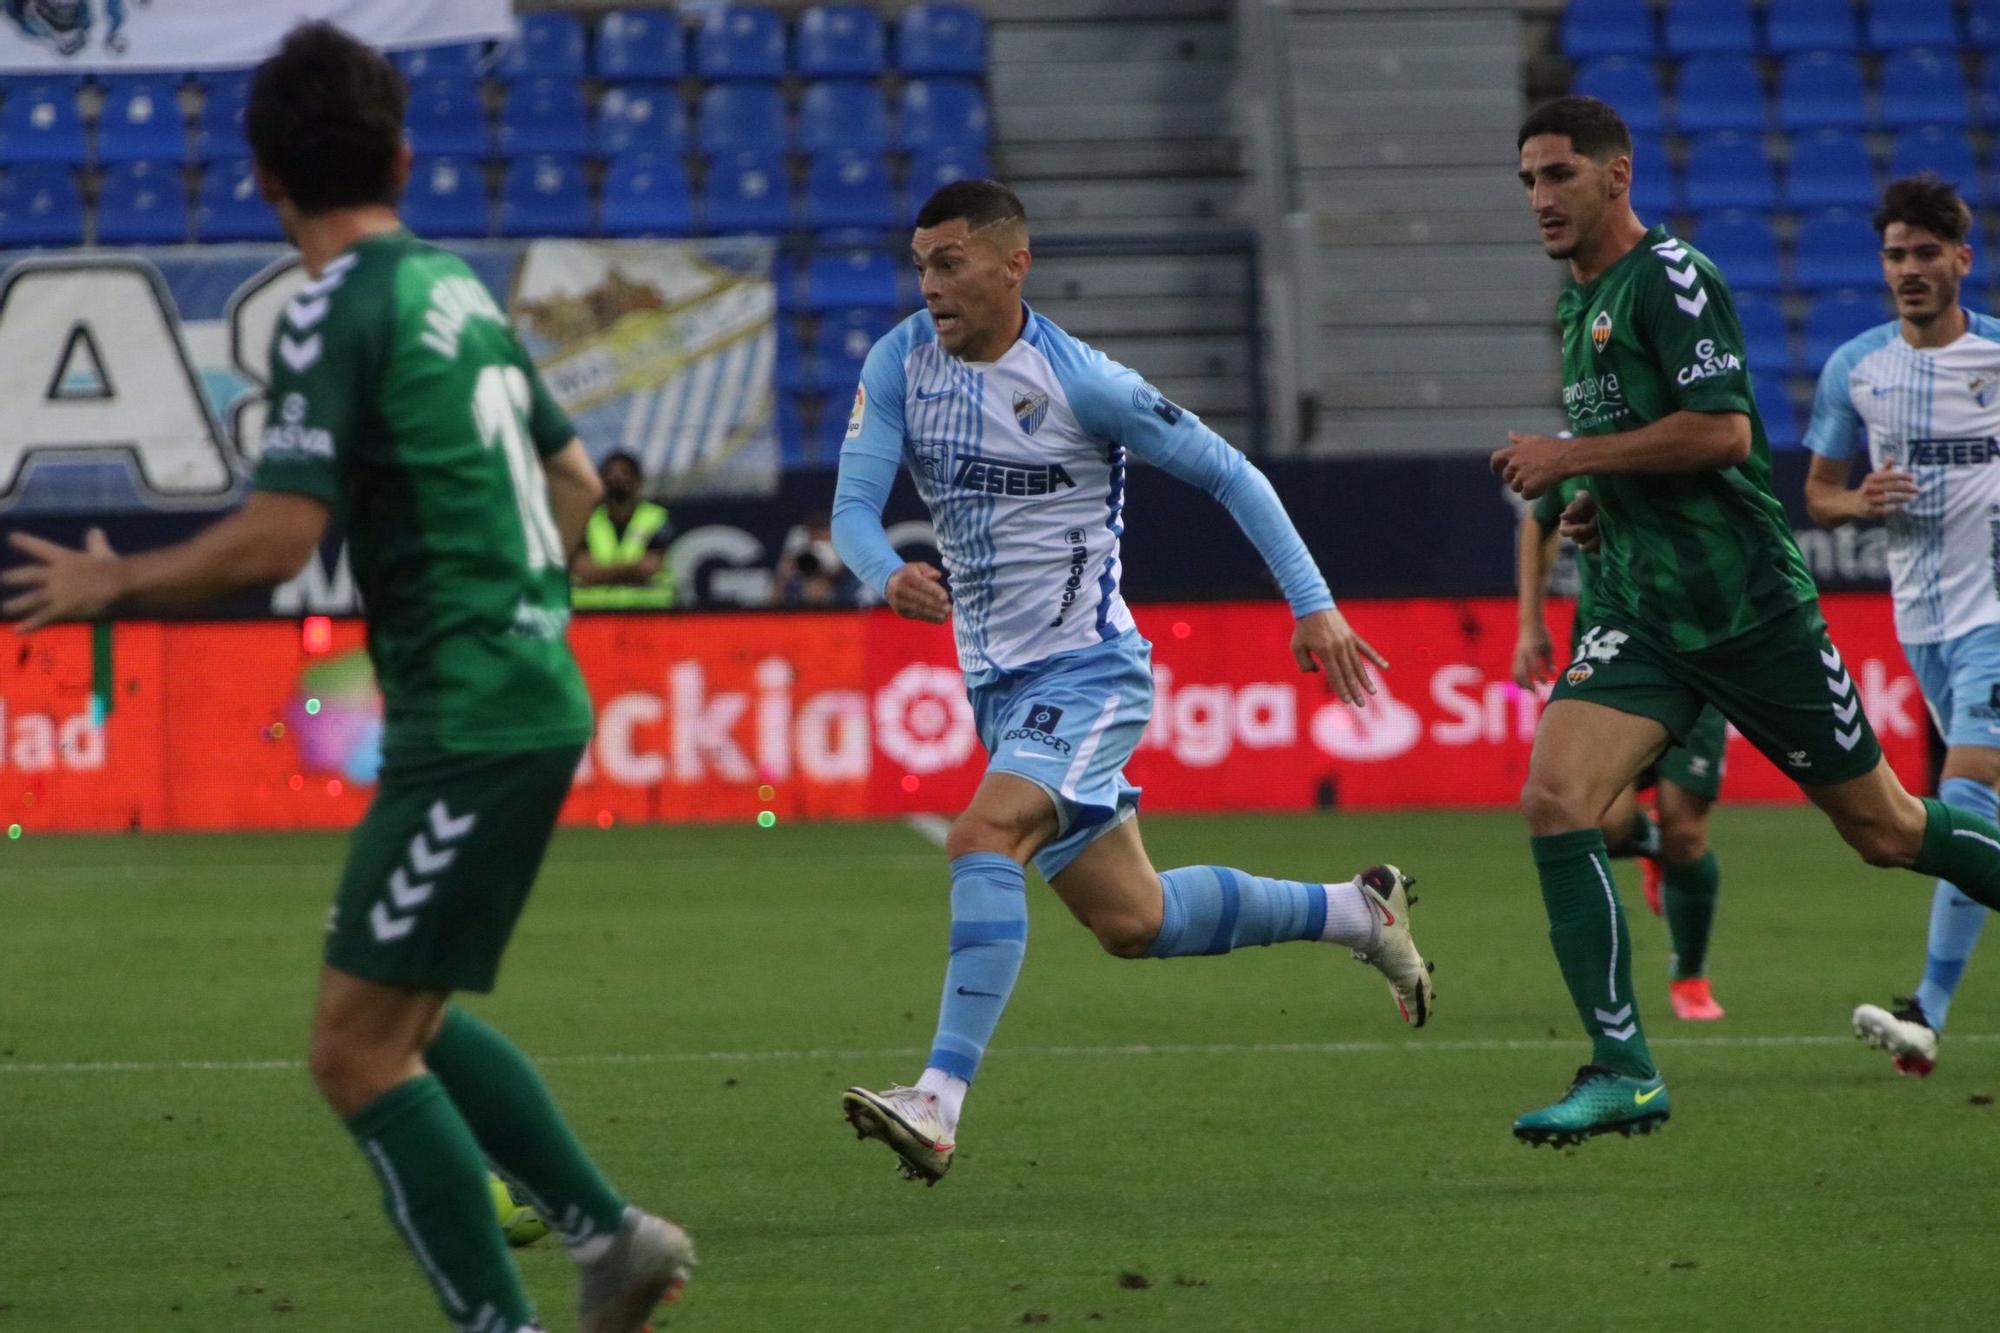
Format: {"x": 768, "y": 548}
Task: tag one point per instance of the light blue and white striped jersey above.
{"x": 1936, "y": 413}
{"x": 1022, "y": 462}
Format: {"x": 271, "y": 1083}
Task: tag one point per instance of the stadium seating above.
{"x": 1904, "y": 23}
{"x": 228, "y": 207}
{"x": 142, "y": 203}
{"x": 218, "y": 126}
{"x": 545, "y": 196}
{"x": 1774, "y": 408}
{"x": 1986, "y": 95}
{"x": 447, "y": 197}
{"x": 40, "y": 205}
{"x": 1834, "y": 318}
{"x": 641, "y": 118}
{"x": 1655, "y": 187}
{"x": 1822, "y": 89}
{"x": 943, "y": 112}
{"x": 1828, "y": 168}
{"x": 742, "y": 115}
{"x": 841, "y": 345}
{"x": 844, "y": 113}
{"x": 831, "y": 431}
{"x": 841, "y": 41}
{"x": 1836, "y": 247}
{"x": 39, "y": 123}
{"x": 1744, "y": 247}
{"x": 1602, "y": 28}
{"x": 640, "y": 44}
{"x": 1629, "y": 85}
{"x": 1718, "y": 92}
{"x": 794, "y": 369}
{"x": 1982, "y": 25}
{"x": 141, "y": 122}
{"x": 1938, "y": 149}
{"x": 740, "y": 42}
{"x": 446, "y": 117}
{"x": 1694, "y": 27}
{"x": 747, "y": 191}
{"x": 545, "y": 46}
{"x": 933, "y": 168}
{"x": 941, "y": 39}
{"x": 1795, "y": 26}
{"x": 461, "y": 62}
{"x": 1922, "y": 88}
{"x": 544, "y": 116}
{"x": 1764, "y": 333}
{"x": 647, "y": 194}
{"x": 228, "y": 84}
{"x": 1728, "y": 170}
{"x": 791, "y": 431}
{"x": 852, "y": 279}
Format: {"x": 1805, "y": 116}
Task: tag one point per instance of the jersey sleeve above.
{"x": 1835, "y": 430}
{"x": 869, "y": 457}
{"x": 548, "y": 425}
{"x": 323, "y": 385}
{"x": 1696, "y": 338}
{"x": 1114, "y": 403}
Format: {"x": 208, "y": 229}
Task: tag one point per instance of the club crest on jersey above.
{"x": 1982, "y": 387}
{"x": 931, "y": 456}
{"x": 1579, "y": 673}
{"x": 1600, "y": 330}
{"x": 1030, "y": 409}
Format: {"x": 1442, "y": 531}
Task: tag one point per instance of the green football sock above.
{"x": 1587, "y": 928}
{"x": 434, "y": 1189}
{"x": 1690, "y": 894}
{"x": 1962, "y": 849}
{"x": 504, "y": 1100}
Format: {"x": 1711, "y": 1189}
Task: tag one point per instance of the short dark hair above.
{"x": 625, "y": 456}
{"x": 1927, "y": 202}
{"x": 325, "y": 117}
{"x": 1594, "y": 129}
{"x": 980, "y": 202}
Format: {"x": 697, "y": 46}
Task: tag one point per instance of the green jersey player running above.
{"x": 1702, "y": 598}
{"x": 401, "y": 401}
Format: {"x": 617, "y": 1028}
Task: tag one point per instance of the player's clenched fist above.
{"x": 1325, "y": 641}
{"x": 917, "y": 592}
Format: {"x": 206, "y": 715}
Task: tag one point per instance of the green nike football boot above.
{"x": 1599, "y": 1101}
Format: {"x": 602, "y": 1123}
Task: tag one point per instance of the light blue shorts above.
{"x": 1068, "y": 725}
{"x": 1960, "y": 679}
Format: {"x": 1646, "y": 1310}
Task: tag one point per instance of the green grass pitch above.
{"x": 1251, "y": 1142}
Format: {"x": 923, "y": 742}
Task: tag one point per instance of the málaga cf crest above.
{"x": 1030, "y": 408}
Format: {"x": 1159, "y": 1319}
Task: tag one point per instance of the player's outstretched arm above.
{"x": 574, "y": 491}
{"x": 1832, "y": 502}
{"x": 1323, "y": 641}
{"x": 261, "y": 545}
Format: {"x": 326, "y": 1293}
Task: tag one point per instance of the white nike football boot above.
{"x": 908, "y": 1120}
{"x": 1904, "y": 1032}
{"x": 1394, "y": 954}
{"x": 648, "y": 1262}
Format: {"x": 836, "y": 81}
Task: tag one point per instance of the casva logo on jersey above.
{"x": 1708, "y": 363}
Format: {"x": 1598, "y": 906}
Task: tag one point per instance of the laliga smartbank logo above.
{"x": 335, "y": 713}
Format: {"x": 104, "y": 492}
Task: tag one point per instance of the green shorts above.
{"x": 1782, "y": 684}
{"x": 441, "y": 866}
{"x": 1695, "y": 766}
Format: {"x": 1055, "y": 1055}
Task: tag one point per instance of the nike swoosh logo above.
{"x": 923, "y": 397}
{"x": 1641, "y": 1098}
{"x": 1878, "y": 393}
{"x": 984, "y": 994}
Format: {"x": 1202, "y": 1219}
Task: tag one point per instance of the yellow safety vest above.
{"x": 607, "y": 546}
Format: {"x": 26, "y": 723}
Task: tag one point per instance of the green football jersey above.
{"x": 401, "y": 397}
{"x": 1696, "y": 558}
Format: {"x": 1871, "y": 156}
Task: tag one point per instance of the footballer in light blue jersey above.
{"x": 1019, "y": 439}
{"x": 1919, "y": 400}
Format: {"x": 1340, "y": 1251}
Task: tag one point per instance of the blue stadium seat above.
{"x": 1728, "y": 170}
{"x": 633, "y": 118}
{"x": 142, "y": 122}
{"x": 1986, "y": 95}
{"x": 1821, "y": 89}
{"x": 1774, "y": 408}
{"x": 228, "y": 207}
{"x": 742, "y": 115}
{"x": 648, "y": 194}
{"x": 1982, "y": 25}
{"x": 940, "y": 112}
{"x": 841, "y": 41}
{"x": 544, "y": 116}
{"x": 791, "y": 432}
{"x": 1719, "y": 92}
{"x": 545, "y": 196}
{"x": 844, "y": 113}
{"x": 841, "y": 345}
{"x": 1592, "y": 28}
{"x": 1836, "y": 248}
{"x": 1834, "y": 318}
{"x": 447, "y": 118}
{"x": 70, "y": 85}
{"x": 1656, "y": 189}
{"x": 740, "y": 42}
{"x": 790, "y": 276}
{"x": 218, "y": 126}
{"x": 447, "y": 197}
{"x": 227, "y": 83}
{"x": 849, "y": 189}
{"x": 747, "y": 191}
{"x": 142, "y": 203}
{"x": 1792, "y": 27}
{"x": 1922, "y": 88}
{"x": 852, "y": 279}
{"x": 40, "y": 205}
{"x": 39, "y": 123}
{"x": 109, "y": 83}
{"x": 1743, "y": 247}
{"x": 941, "y": 39}
{"x": 641, "y": 44}
{"x": 933, "y": 168}
{"x": 1699, "y": 27}
{"x": 545, "y": 46}
{"x": 1937, "y": 148}
{"x": 794, "y": 372}
{"x": 1827, "y": 168}
{"x": 461, "y": 62}
{"x": 830, "y": 432}
{"x": 1764, "y": 333}
{"x": 1900, "y": 23}
{"x": 1630, "y": 86}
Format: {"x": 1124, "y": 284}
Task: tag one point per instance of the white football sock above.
{"x": 950, "y": 1093}
{"x": 1350, "y": 919}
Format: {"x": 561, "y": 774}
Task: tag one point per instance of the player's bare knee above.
{"x": 1683, "y": 843}
{"x": 1551, "y": 804}
{"x": 972, "y": 832}
{"x": 1124, "y": 934}
{"x": 338, "y": 1067}
{"x": 1881, "y": 842}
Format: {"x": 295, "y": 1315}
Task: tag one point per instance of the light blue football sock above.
{"x": 989, "y": 937}
{"x": 1213, "y": 909}
{"x": 1956, "y": 920}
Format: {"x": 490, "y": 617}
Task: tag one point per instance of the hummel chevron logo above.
{"x": 1694, "y": 307}
{"x": 303, "y": 314}
{"x": 445, "y": 828}
{"x": 299, "y": 354}
{"x": 1844, "y": 713}
{"x": 1841, "y": 685}
{"x": 427, "y": 861}
{"x": 387, "y": 927}
{"x": 1641, "y": 1098}
{"x": 1671, "y": 250}
{"x": 1611, "y": 1021}
{"x": 1831, "y": 657}
{"x": 406, "y": 894}
{"x": 1682, "y": 278}
{"x": 1849, "y": 739}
